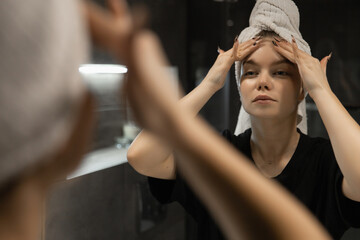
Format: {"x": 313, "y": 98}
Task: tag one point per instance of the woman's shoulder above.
{"x": 231, "y": 137}
{"x": 240, "y": 142}
{"x": 316, "y": 147}
{"x": 314, "y": 141}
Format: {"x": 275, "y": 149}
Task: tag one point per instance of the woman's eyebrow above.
{"x": 286, "y": 61}
{"x": 250, "y": 62}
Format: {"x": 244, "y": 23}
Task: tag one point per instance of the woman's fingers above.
{"x": 285, "y": 50}
{"x": 290, "y": 51}
{"x": 235, "y": 47}
{"x": 295, "y": 50}
{"x": 246, "y": 48}
{"x": 118, "y": 7}
{"x": 324, "y": 62}
{"x": 240, "y": 50}
{"x": 219, "y": 50}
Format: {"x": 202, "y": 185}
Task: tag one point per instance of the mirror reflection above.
{"x": 296, "y": 130}
{"x": 191, "y": 33}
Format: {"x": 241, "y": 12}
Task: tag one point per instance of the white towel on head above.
{"x": 42, "y": 44}
{"x": 281, "y": 17}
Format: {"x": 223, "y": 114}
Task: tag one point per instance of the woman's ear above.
{"x": 301, "y": 93}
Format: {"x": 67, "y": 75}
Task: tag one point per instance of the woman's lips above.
{"x": 263, "y": 99}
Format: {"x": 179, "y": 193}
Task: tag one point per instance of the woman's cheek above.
{"x": 244, "y": 100}
{"x": 244, "y": 90}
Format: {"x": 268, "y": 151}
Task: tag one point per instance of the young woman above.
{"x": 239, "y": 207}
{"x": 243, "y": 203}
{"x": 275, "y": 76}
{"x": 26, "y": 176}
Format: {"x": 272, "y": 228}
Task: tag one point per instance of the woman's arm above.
{"x": 245, "y": 204}
{"x": 344, "y": 134}
{"x": 343, "y": 131}
{"x": 148, "y": 155}
{"x": 109, "y": 29}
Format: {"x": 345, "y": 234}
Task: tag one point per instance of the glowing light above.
{"x": 102, "y": 69}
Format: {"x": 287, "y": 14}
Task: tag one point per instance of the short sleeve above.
{"x": 168, "y": 191}
{"x": 349, "y": 209}
{"x": 240, "y": 142}
{"x": 162, "y": 189}
{"x": 229, "y": 136}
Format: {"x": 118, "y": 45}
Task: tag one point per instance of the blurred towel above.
{"x": 42, "y": 44}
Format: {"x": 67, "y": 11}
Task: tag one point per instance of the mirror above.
{"x": 114, "y": 202}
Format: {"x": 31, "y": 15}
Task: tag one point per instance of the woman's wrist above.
{"x": 211, "y": 84}
{"x": 216, "y": 76}
{"x": 320, "y": 94}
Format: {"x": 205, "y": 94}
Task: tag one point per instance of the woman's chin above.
{"x": 265, "y": 113}
{"x": 271, "y": 115}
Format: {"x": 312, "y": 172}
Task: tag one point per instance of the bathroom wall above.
{"x": 111, "y": 204}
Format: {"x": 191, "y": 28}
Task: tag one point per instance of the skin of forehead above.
{"x": 267, "y": 41}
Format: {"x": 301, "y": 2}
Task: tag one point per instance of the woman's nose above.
{"x": 263, "y": 82}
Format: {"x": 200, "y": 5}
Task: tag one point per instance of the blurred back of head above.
{"x": 42, "y": 44}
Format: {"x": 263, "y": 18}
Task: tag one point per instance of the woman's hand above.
{"x": 110, "y": 29}
{"x": 311, "y": 70}
{"x": 217, "y": 73}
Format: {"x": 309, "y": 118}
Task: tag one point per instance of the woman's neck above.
{"x": 273, "y": 143}
{"x": 21, "y": 213}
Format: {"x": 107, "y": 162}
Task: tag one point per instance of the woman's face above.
{"x": 270, "y": 84}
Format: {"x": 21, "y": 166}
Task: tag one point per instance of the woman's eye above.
{"x": 250, "y": 73}
{"x": 281, "y": 73}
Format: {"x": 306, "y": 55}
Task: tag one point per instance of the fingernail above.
{"x": 274, "y": 43}
{"x": 329, "y": 56}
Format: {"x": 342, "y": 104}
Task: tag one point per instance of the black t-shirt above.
{"x": 312, "y": 175}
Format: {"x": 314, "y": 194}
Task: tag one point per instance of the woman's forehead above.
{"x": 266, "y": 55}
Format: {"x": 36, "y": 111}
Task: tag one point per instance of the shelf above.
{"x": 99, "y": 160}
